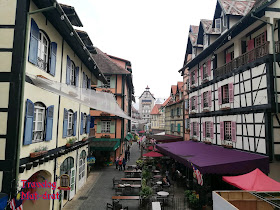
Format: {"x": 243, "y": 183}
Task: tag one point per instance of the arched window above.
{"x": 43, "y": 51}
{"x": 38, "y": 122}
{"x": 66, "y": 166}
{"x": 70, "y": 123}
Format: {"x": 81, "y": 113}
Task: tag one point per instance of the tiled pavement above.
{"x": 98, "y": 191}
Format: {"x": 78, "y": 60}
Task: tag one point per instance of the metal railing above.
{"x": 246, "y": 58}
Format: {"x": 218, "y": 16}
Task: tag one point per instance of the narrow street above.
{"x": 98, "y": 191}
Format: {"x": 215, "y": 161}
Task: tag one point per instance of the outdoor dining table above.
{"x": 120, "y": 197}
{"x": 131, "y": 179}
{"x": 157, "y": 176}
{"x": 163, "y": 193}
{"x": 159, "y": 182}
{"x": 133, "y": 173}
{"x": 132, "y": 185}
{"x": 156, "y": 171}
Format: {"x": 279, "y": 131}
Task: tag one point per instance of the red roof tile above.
{"x": 180, "y": 86}
{"x": 155, "y": 109}
{"x": 174, "y": 89}
{"x": 166, "y": 101}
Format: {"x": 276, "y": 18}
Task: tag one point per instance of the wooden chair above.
{"x": 119, "y": 191}
{"x": 116, "y": 182}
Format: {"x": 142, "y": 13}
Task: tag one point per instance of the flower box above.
{"x": 84, "y": 139}
{"x": 194, "y": 139}
{"x": 206, "y": 110}
{"x": 192, "y": 112}
{"x": 35, "y": 154}
{"x": 106, "y": 136}
{"x": 104, "y": 114}
{"x": 207, "y": 142}
{"x": 205, "y": 80}
{"x": 227, "y": 146}
{"x": 225, "y": 108}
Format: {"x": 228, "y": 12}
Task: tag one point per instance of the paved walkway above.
{"x": 98, "y": 190}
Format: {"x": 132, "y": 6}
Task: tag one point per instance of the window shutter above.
{"x": 195, "y": 79}
{"x": 228, "y": 57}
{"x": 49, "y": 123}
{"x": 33, "y": 42}
{"x": 84, "y": 80}
{"x": 75, "y": 124}
{"x": 211, "y": 130}
{"x": 250, "y": 44}
{"x": 89, "y": 83}
{"x": 197, "y": 129}
{"x": 88, "y": 124}
{"x": 53, "y": 58}
{"x": 91, "y": 122}
{"x": 233, "y": 131}
{"x": 186, "y": 123}
{"x": 209, "y": 68}
{"x": 28, "y": 125}
{"x": 220, "y": 95}
{"x": 196, "y": 102}
{"x": 202, "y": 101}
{"x": 222, "y": 134}
{"x": 190, "y": 103}
{"x": 209, "y": 98}
{"x": 98, "y": 130}
{"x": 179, "y": 128}
{"x": 204, "y": 129}
{"x": 187, "y": 104}
{"x": 112, "y": 127}
{"x": 77, "y": 76}
{"x": 82, "y": 123}
{"x": 231, "y": 92}
{"x": 68, "y": 69}
{"x": 113, "y": 82}
{"x": 201, "y": 72}
{"x": 65, "y": 123}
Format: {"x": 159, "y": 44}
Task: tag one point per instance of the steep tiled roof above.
{"x": 207, "y": 26}
{"x": 236, "y": 7}
{"x": 106, "y": 65}
{"x": 180, "y": 86}
{"x": 155, "y": 109}
{"x": 166, "y": 101}
{"x": 173, "y": 89}
{"x": 194, "y": 29}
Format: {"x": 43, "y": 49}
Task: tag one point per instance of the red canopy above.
{"x": 153, "y": 154}
{"x": 141, "y": 132}
{"x": 254, "y": 181}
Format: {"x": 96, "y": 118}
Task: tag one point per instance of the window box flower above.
{"x": 205, "y": 110}
{"x": 39, "y": 152}
{"x": 104, "y": 114}
{"x": 84, "y": 138}
{"x": 207, "y": 142}
{"x": 227, "y": 146}
{"x": 225, "y": 108}
{"x": 106, "y": 136}
{"x": 70, "y": 141}
{"x": 205, "y": 80}
{"x": 193, "y": 86}
{"x": 194, "y": 139}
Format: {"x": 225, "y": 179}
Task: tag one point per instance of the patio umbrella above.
{"x": 153, "y": 154}
{"x": 254, "y": 181}
{"x": 152, "y": 148}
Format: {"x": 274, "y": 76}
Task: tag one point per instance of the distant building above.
{"x": 174, "y": 111}
{"x": 146, "y": 103}
{"x": 135, "y": 115}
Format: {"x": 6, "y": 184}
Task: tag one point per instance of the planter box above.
{"x": 228, "y": 146}
{"x": 106, "y": 136}
{"x": 206, "y": 110}
{"x": 194, "y": 140}
{"x": 225, "y": 108}
{"x": 35, "y": 154}
{"x": 207, "y": 142}
{"x": 68, "y": 145}
{"x": 104, "y": 114}
{"x": 84, "y": 139}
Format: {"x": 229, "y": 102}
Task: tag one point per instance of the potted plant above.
{"x": 84, "y": 138}
{"x": 70, "y": 141}
{"x": 227, "y": 146}
{"x": 36, "y": 153}
{"x": 194, "y": 201}
{"x": 44, "y": 150}
{"x": 187, "y": 193}
{"x": 139, "y": 163}
{"x": 145, "y": 194}
{"x": 146, "y": 174}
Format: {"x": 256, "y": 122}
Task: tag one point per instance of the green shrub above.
{"x": 146, "y": 191}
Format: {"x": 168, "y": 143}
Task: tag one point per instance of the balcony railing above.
{"x": 246, "y": 58}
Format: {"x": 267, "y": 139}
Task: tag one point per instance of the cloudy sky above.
{"x": 152, "y": 34}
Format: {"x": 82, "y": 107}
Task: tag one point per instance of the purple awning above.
{"x": 212, "y": 159}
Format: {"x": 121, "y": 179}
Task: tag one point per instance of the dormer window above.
{"x": 218, "y": 25}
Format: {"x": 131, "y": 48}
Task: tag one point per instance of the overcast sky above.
{"x": 152, "y": 34}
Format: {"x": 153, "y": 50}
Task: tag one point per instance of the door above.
{"x": 72, "y": 184}
{"x": 81, "y": 172}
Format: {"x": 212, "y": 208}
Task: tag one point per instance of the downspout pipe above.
{"x": 274, "y": 76}
{"x": 23, "y": 84}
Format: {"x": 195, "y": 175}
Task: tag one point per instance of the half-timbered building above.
{"x": 233, "y": 82}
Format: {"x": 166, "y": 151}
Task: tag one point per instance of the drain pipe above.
{"x": 274, "y": 76}
{"x": 27, "y": 31}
